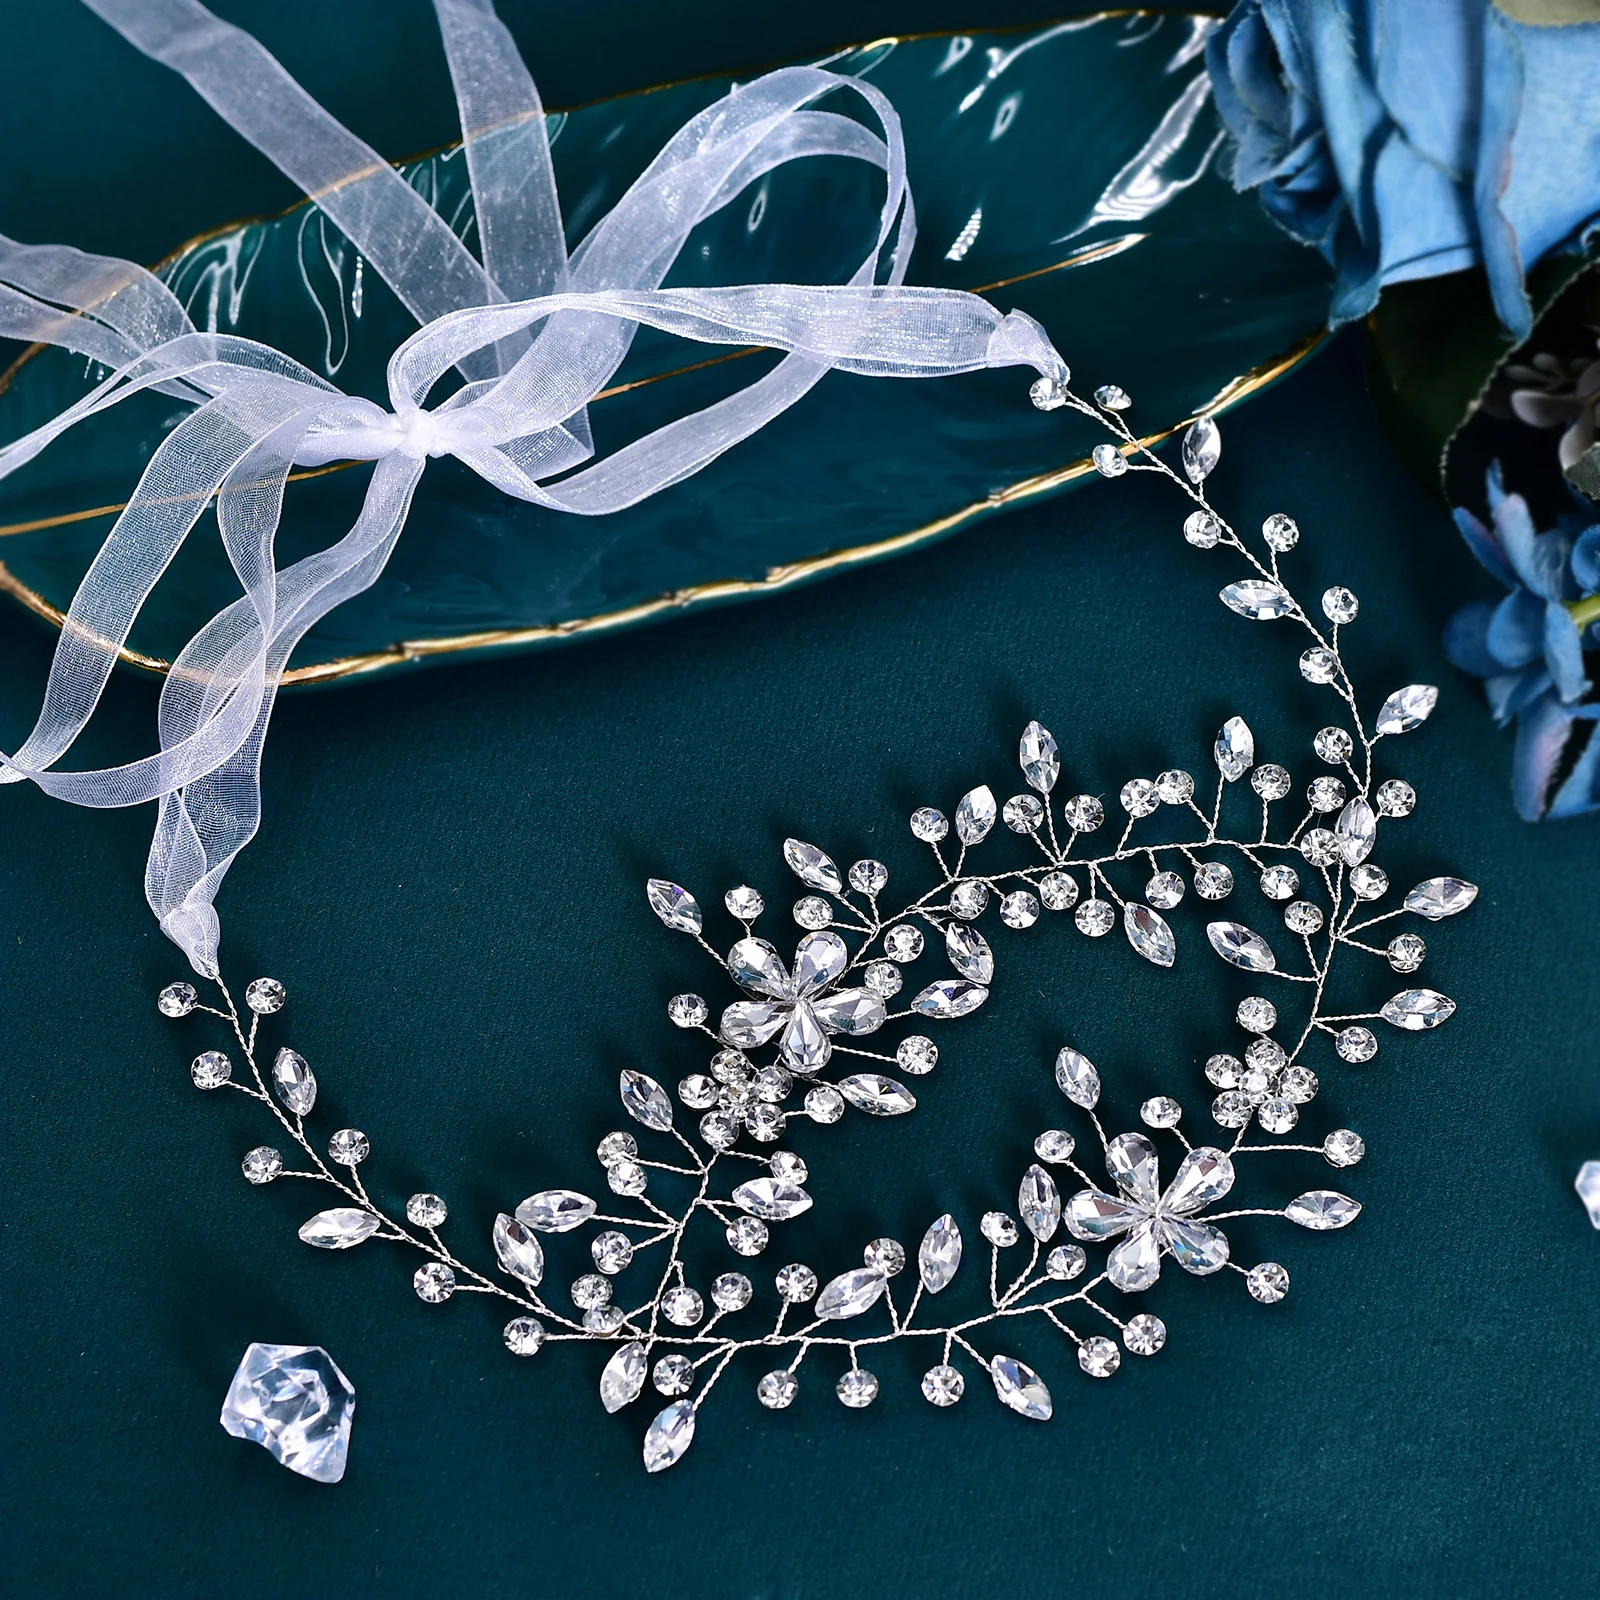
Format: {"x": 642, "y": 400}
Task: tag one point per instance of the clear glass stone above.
{"x": 1235, "y": 749}
{"x": 1039, "y": 758}
{"x": 975, "y": 815}
{"x": 731, "y": 1291}
{"x": 686, "y": 1010}
{"x": 1083, "y": 813}
{"x": 1270, "y": 781}
{"x": 1266, "y": 1055}
{"x": 603, "y": 1319}
{"x": 210, "y": 1070}
{"x": 1333, "y": 745}
{"x": 772, "y": 1084}
{"x": 797, "y": 1283}
{"x": 349, "y": 1147}
{"x": 1213, "y": 880}
{"x": 747, "y": 1236}
{"x": 1238, "y": 946}
{"x": 1099, "y": 1357}
{"x": 1325, "y": 794}
{"x": 929, "y": 825}
{"x": 1164, "y": 890}
{"x": 622, "y": 1381}
{"x": 1096, "y": 918}
{"x": 1065, "y": 1261}
{"x": 1357, "y": 832}
{"x": 612, "y": 1251}
{"x": 1161, "y": 1112}
{"x": 1320, "y": 846}
{"x": 524, "y": 1336}
{"x": 1019, "y": 909}
{"x": 669, "y": 1435}
{"x": 1416, "y": 1010}
{"x": 673, "y": 1375}
{"x": 1023, "y": 813}
{"x": 772, "y": 1199}
{"x": 177, "y": 1000}
{"x": 939, "y": 1254}
{"x": 265, "y": 996}
{"x": 1339, "y": 605}
{"x": 1322, "y": 1210}
{"x": 698, "y": 1092}
{"x": 1111, "y": 398}
{"x": 1257, "y": 1015}
{"x": 1319, "y": 665}
{"x": 811, "y": 866}
{"x": 1109, "y": 461}
{"x": 917, "y": 1055}
{"x": 1020, "y": 1389}
{"x": 1301, "y": 916}
{"x": 1077, "y": 1078}
{"x": 1058, "y": 890}
{"x": 1201, "y": 529}
{"x": 869, "y": 877}
{"x": 876, "y": 1095}
{"x": 1047, "y": 394}
{"x": 1438, "y": 898}
{"x": 1039, "y": 1201}
{"x": 1139, "y": 797}
{"x": 764, "y": 1123}
{"x": 850, "y": 1294}
{"x": 591, "y": 1290}
{"x": 1407, "y": 708}
{"x": 262, "y": 1164}
{"x": 1406, "y": 951}
{"x": 434, "y": 1283}
{"x": 776, "y": 1391}
{"x": 999, "y": 1229}
{"x": 1280, "y": 882}
{"x": 942, "y": 1385}
{"x": 824, "y": 1104}
{"x": 627, "y": 1178}
{"x": 812, "y": 912}
{"x": 1144, "y": 1334}
{"x": 903, "y": 942}
{"x": 426, "y": 1211}
{"x": 1298, "y": 1084}
{"x": 1224, "y": 1071}
{"x": 719, "y": 1130}
{"x": 857, "y": 1388}
{"x": 676, "y": 907}
{"x": 1281, "y": 532}
{"x": 744, "y": 903}
{"x": 1054, "y": 1145}
{"x": 1175, "y": 787}
{"x": 1396, "y": 798}
{"x": 968, "y": 899}
{"x": 887, "y": 1255}
{"x": 1277, "y": 1115}
{"x": 293, "y": 1401}
{"x": 1587, "y": 1184}
{"x": 617, "y": 1147}
{"x": 1258, "y": 599}
{"x": 1202, "y": 449}
{"x": 1356, "y": 1044}
{"x": 1342, "y": 1148}
{"x": 294, "y": 1083}
{"x": 1231, "y": 1109}
{"x": 1369, "y": 882}
{"x": 1267, "y": 1282}
{"x": 1149, "y": 934}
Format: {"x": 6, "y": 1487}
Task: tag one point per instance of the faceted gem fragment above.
{"x": 518, "y": 1250}
{"x": 1438, "y": 898}
{"x": 1258, "y": 599}
{"x": 294, "y": 1083}
{"x": 293, "y": 1401}
{"x": 676, "y": 907}
{"x": 939, "y": 1254}
{"x": 556, "y": 1210}
{"x": 622, "y": 1380}
{"x": 1235, "y": 749}
{"x": 1407, "y": 708}
{"x": 969, "y": 953}
{"x": 850, "y": 1294}
{"x": 1322, "y": 1210}
{"x": 1418, "y": 1009}
{"x": 1021, "y": 1388}
{"x": 1237, "y": 945}
{"x": 669, "y": 1436}
{"x": 1149, "y": 934}
{"x": 878, "y": 1096}
{"x": 341, "y": 1228}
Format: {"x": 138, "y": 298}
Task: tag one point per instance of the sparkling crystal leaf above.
{"x": 1203, "y": 1176}
{"x": 1357, "y": 832}
{"x": 1135, "y": 1264}
{"x": 975, "y": 815}
{"x": 1020, "y": 1388}
{"x": 748, "y": 1023}
{"x": 851, "y": 1011}
{"x": 674, "y": 905}
{"x": 556, "y": 1210}
{"x": 1407, "y": 708}
{"x": 1322, "y": 1210}
{"x": 804, "y": 1046}
{"x": 1438, "y": 898}
{"x": 645, "y": 1100}
{"x": 294, "y": 1083}
{"x": 1418, "y": 1009}
{"x": 1041, "y": 764}
{"x": 879, "y": 1096}
{"x": 819, "y": 958}
{"x": 939, "y": 1254}
{"x": 1258, "y": 599}
{"x": 771, "y": 1199}
{"x": 622, "y": 1381}
{"x": 850, "y": 1294}
{"x": 1235, "y": 749}
{"x": 811, "y": 867}
{"x": 1039, "y": 1202}
{"x": 1202, "y": 449}
{"x": 1235, "y": 943}
{"x": 950, "y": 998}
{"x": 1131, "y": 1160}
{"x": 1077, "y": 1078}
{"x": 753, "y": 964}
{"x": 668, "y": 1436}
{"x": 517, "y": 1250}
{"x": 1197, "y": 1247}
{"x": 1149, "y": 934}
{"x": 1094, "y": 1216}
{"x": 339, "y": 1229}
{"x": 969, "y": 952}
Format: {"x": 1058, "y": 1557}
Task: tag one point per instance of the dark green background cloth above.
{"x": 449, "y": 880}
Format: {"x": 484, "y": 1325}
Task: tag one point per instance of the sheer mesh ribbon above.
{"x": 536, "y": 336}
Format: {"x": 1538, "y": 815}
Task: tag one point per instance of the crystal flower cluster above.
{"x": 801, "y": 1043}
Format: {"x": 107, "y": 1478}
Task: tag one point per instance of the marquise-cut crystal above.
{"x": 517, "y": 1250}
{"x": 879, "y": 1096}
{"x": 1438, "y": 898}
{"x": 1235, "y": 749}
{"x": 771, "y": 1199}
{"x": 1235, "y": 943}
{"x": 555, "y": 1210}
{"x": 622, "y": 1380}
{"x": 1020, "y": 1388}
{"x": 975, "y": 815}
{"x": 668, "y": 1436}
{"x": 850, "y": 1294}
{"x": 645, "y": 1100}
{"x": 1202, "y": 449}
{"x": 950, "y": 997}
{"x": 1041, "y": 762}
{"x": 294, "y": 1083}
{"x": 1077, "y": 1079}
{"x": 939, "y": 1254}
{"x": 1356, "y": 831}
{"x": 293, "y": 1401}
{"x": 969, "y": 953}
{"x": 674, "y": 905}
{"x": 811, "y": 866}
{"x": 341, "y": 1228}
{"x": 1258, "y": 599}
{"x": 1407, "y": 708}
{"x": 1039, "y": 1202}
{"x": 1323, "y": 1209}
{"x": 1149, "y": 934}
{"x": 1418, "y": 1009}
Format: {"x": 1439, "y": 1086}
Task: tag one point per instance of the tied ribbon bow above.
{"x": 534, "y": 334}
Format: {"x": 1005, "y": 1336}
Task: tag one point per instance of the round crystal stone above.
{"x": 1213, "y": 881}
{"x": 210, "y": 1070}
{"x": 824, "y": 1103}
{"x": 1175, "y": 788}
{"x": 1161, "y": 1112}
{"x": 604, "y": 1319}
{"x": 917, "y": 1055}
{"x": 731, "y": 1291}
{"x": 1022, "y": 813}
{"x": 1356, "y": 1044}
{"x": 764, "y": 1122}
{"x": 969, "y": 898}
{"x": 869, "y": 877}
{"x": 1342, "y": 1148}
{"x": 1267, "y": 1282}
{"x": 617, "y": 1147}
{"x": 1109, "y": 461}
{"x": 929, "y": 825}
{"x": 777, "y": 1390}
{"x": 1333, "y": 745}
{"x": 1298, "y": 1084}
{"x": 903, "y": 942}
{"x": 857, "y": 1388}
{"x": 434, "y": 1283}
{"x": 1339, "y": 605}
{"x": 1325, "y": 794}
{"x": 1054, "y": 1145}
{"x": 1265, "y": 1055}
{"x": 1231, "y": 1109}
{"x": 1083, "y": 813}
{"x": 262, "y": 1164}
{"x": 719, "y": 1130}
{"x": 1139, "y": 797}
{"x": 1320, "y": 846}
{"x": 797, "y": 1283}
{"x": 1406, "y": 951}
{"x": 1396, "y": 798}
{"x": 942, "y": 1385}
{"x": 349, "y": 1147}
{"x": 1164, "y": 890}
{"x": 1144, "y": 1334}
{"x": 1224, "y": 1071}
{"x": 1019, "y": 909}
{"x": 1301, "y": 916}
{"x": 177, "y": 1000}
{"x": 698, "y": 1092}
{"x": 1065, "y": 1261}
{"x": 1048, "y": 394}
{"x": 887, "y": 1255}
{"x": 264, "y": 996}
{"x": 1277, "y": 1115}
{"x": 1257, "y": 1015}
{"x": 1096, "y": 918}
{"x": 1270, "y": 781}
{"x": 744, "y": 903}
{"x": 524, "y": 1336}
{"x": 747, "y": 1236}
{"x": 1319, "y": 665}
{"x": 1280, "y": 883}
{"x": 1280, "y": 532}
{"x": 1201, "y": 529}
{"x": 673, "y": 1375}
{"x": 998, "y": 1229}
{"x": 787, "y": 1167}
{"x": 1369, "y": 882}
{"x": 772, "y": 1083}
{"x": 1112, "y": 398}
{"x": 1099, "y": 1357}
{"x": 1058, "y": 890}
{"x": 812, "y": 912}
{"x": 730, "y": 1066}
{"x": 591, "y": 1290}
{"x": 627, "y": 1178}
{"x": 426, "y": 1210}
{"x": 686, "y": 1010}
{"x": 612, "y": 1251}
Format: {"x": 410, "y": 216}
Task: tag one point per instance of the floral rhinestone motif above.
{"x": 796, "y": 1048}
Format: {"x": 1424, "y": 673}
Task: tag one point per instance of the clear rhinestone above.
{"x": 903, "y": 942}
{"x": 747, "y": 1236}
{"x": 293, "y": 1082}
{"x": 1058, "y": 890}
{"x": 1277, "y": 1115}
{"x": 1270, "y": 781}
{"x": 869, "y": 877}
{"x": 591, "y": 1290}
{"x": 349, "y": 1147}
{"x": 1267, "y": 1282}
{"x": 1257, "y": 599}
{"x": 929, "y": 825}
{"x": 1240, "y": 947}
{"x": 612, "y": 1251}
{"x": 1065, "y": 1261}
{"x": 1112, "y": 398}
{"x": 1280, "y": 883}
{"x": 998, "y": 1229}
{"x": 1099, "y": 1357}
{"x": 524, "y": 1336}
{"x": 1077, "y": 1078}
{"x": 262, "y": 1164}
{"x": 1019, "y": 909}
{"x": 968, "y": 899}
{"x": 887, "y": 1255}
{"x": 1231, "y": 1109}
{"x": 1257, "y": 1015}
{"x": 812, "y": 912}
{"x": 673, "y": 1375}
{"x": 764, "y": 1122}
{"x": 1175, "y": 787}
{"x": 1019, "y": 1388}
{"x": 1325, "y": 794}
{"x": 177, "y": 1000}
{"x": 1415, "y": 1010}
{"x": 1144, "y": 1334}
{"x": 776, "y": 1391}
{"x": 1280, "y": 532}
{"x": 1139, "y": 797}
{"x": 1213, "y": 881}
{"x": 1356, "y": 1044}
{"x": 1023, "y": 813}
{"x": 883, "y": 978}
{"x": 1096, "y": 918}
{"x": 1369, "y": 882}
{"x": 617, "y": 1147}
{"x": 1298, "y": 1084}
{"x": 1407, "y": 708}
{"x": 731, "y": 1291}
{"x": 824, "y": 1104}
{"x": 1339, "y": 605}
{"x": 265, "y": 995}
{"x": 1109, "y": 461}
{"x": 426, "y": 1211}
{"x": 1201, "y": 529}
{"x": 1319, "y": 665}
{"x": 1235, "y": 749}
{"x": 1396, "y": 798}
{"x": 917, "y": 1055}
{"x": 627, "y": 1178}
{"x": 787, "y": 1167}
{"x": 1406, "y": 951}
{"x": 604, "y": 1319}
{"x": 434, "y": 1283}
{"x": 857, "y": 1388}
{"x": 797, "y": 1283}
{"x": 1149, "y": 934}
{"x": 210, "y": 1070}
{"x": 1301, "y": 916}
{"x": 1161, "y": 1112}
{"x": 1048, "y": 394}
{"x": 1438, "y": 898}
{"x": 942, "y": 1385}
{"x": 686, "y": 1010}
{"x": 744, "y": 903}
{"x": 698, "y": 1092}
{"x": 1083, "y": 813}
{"x": 293, "y": 1401}
{"x": 1333, "y": 745}
{"x": 669, "y": 1435}
{"x": 1322, "y": 1210}
{"x": 719, "y": 1130}
{"x": 975, "y": 815}
{"x": 1320, "y": 846}
{"x": 1342, "y": 1148}
{"x": 1266, "y": 1055}
{"x": 1164, "y": 890}
{"x": 1039, "y": 758}
{"x": 1224, "y": 1071}
{"x": 1202, "y": 449}
{"x": 1587, "y": 1183}
{"x": 1054, "y": 1145}
{"x": 676, "y": 907}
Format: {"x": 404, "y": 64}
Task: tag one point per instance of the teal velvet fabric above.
{"x": 449, "y": 880}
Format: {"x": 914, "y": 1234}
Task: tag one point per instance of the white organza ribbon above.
{"x": 535, "y": 335}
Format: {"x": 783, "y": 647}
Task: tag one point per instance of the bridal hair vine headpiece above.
{"x": 793, "y": 1051}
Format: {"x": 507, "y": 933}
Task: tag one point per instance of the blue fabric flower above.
{"x": 1528, "y": 650}
{"x": 1408, "y": 138}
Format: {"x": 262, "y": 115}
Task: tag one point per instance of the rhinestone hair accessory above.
{"x": 800, "y": 1044}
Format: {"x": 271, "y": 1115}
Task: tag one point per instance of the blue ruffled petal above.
{"x": 1466, "y": 640}
{"x": 1515, "y": 634}
{"x": 1563, "y": 653}
{"x": 1538, "y": 559}
{"x": 1511, "y": 692}
{"x": 1542, "y": 731}
{"x": 1586, "y": 560}
{"x": 1482, "y": 543}
{"x": 1581, "y": 790}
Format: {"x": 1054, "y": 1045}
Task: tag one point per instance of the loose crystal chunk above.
{"x": 1588, "y": 1186}
{"x": 341, "y": 1228}
{"x": 1077, "y": 1078}
{"x": 744, "y": 903}
{"x": 1109, "y": 462}
{"x": 669, "y": 1436}
{"x": 293, "y": 1401}
{"x": 1039, "y": 758}
{"x": 622, "y": 1381}
{"x": 294, "y": 1083}
{"x": 1202, "y": 449}
{"x": 1322, "y": 1210}
{"x": 975, "y": 815}
{"x": 674, "y": 905}
{"x": 1099, "y": 1357}
{"x": 177, "y": 1000}
{"x": 426, "y": 1210}
{"x": 942, "y": 1385}
{"x": 1407, "y": 708}
{"x": 262, "y": 1164}
{"x": 1438, "y": 898}
{"x": 1039, "y": 1202}
{"x": 950, "y": 997}
{"x": 777, "y": 1390}
{"x": 524, "y": 1336}
{"x": 1236, "y": 944}
{"x": 555, "y": 1210}
{"x": 517, "y": 1250}
{"x": 939, "y": 1254}
{"x": 857, "y": 1388}
{"x": 1258, "y": 599}
{"x": 1020, "y": 1388}
{"x": 1267, "y": 1282}
{"x": 1149, "y": 934}
{"x": 811, "y": 866}
{"x": 645, "y": 1100}
{"x": 210, "y": 1070}
{"x": 1235, "y": 749}
{"x": 969, "y": 953}
{"x": 1281, "y": 532}
{"x": 878, "y": 1096}
{"x": 771, "y": 1199}
{"x": 850, "y": 1294}
{"x": 1418, "y": 1009}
